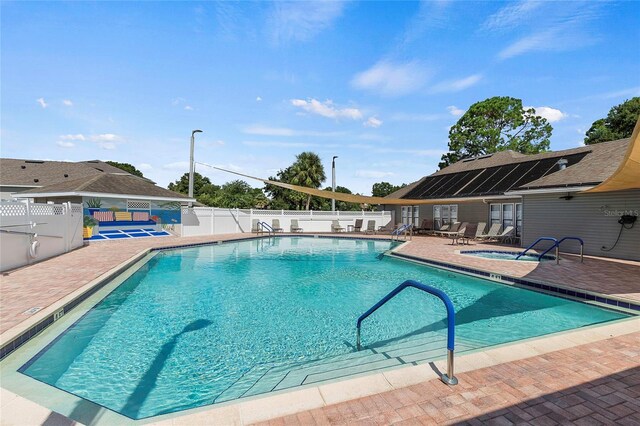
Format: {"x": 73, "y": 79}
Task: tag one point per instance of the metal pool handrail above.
{"x": 266, "y": 225}
{"x": 555, "y": 244}
{"x": 448, "y": 378}
{"x": 558, "y": 248}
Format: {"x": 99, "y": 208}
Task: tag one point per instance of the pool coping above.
{"x": 279, "y": 403}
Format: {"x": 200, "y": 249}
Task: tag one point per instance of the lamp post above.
{"x": 191, "y": 165}
{"x": 333, "y": 182}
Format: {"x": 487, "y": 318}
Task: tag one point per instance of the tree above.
{"x": 239, "y": 194}
{"x": 201, "y": 185}
{"x": 497, "y": 124}
{"x": 342, "y": 206}
{"x": 618, "y": 124}
{"x": 382, "y": 189}
{"x": 129, "y": 168}
{"x": 307, "y": 171}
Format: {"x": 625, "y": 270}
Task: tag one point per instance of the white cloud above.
{"x": 78, "y": 137}
{"x": 178, "y": 101}
{"x": 455, "y": 111}
{"x": 42, "y": 102}
{"x": 65, "y": 144}
{"x": 327, "y": 109}
{"x": 391, "y": 79}
{"x": 301, "y": 21}
{"x": 67, "y": 102}
{"x": 144, "y": 167}
{"x": 178, "y": 165}
{"x": 373, "y": 174}
{"x": 188, "y": 108}
{"x": 512, "y": 15}
{"x": 258, "y": 99}
{"x": 372, "y": 122}
{"x": 107, "y": 145}
{"x": 554, "y": 27}
{"x": 551, "y": 114}
{"x": 105, "y": 137}
{"x": 258, "y": 129}
{"x": 278, "y": 144}
{"x": 457, "y": 85}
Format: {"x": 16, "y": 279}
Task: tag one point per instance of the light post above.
{"x": 191, "y": 165}
{"x": 333, "y": 182}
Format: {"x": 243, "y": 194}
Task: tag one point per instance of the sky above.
{"x": 377, "y": 84}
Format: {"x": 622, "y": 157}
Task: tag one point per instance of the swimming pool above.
{"x": 506, "y": 255}
{"x": 209, "y": 324}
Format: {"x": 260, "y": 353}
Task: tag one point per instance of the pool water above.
{"x": 506, "y": 255}
{"x": 193, "y": 325}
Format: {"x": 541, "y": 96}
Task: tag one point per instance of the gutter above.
{"x": 550, "y": 190}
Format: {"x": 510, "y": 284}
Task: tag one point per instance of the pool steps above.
{"x": 273, "y": 377}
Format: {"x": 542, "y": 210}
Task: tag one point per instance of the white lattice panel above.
{"x": 76, "y": 208}
{"x": 138, "y": 205}
{"x": 13, "y": 209}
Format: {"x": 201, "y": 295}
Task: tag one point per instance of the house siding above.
{"x": 592, "y": 217}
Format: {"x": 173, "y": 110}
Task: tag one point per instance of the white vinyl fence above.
{"x": 212, "y": 221}
{"x": 31, "y": 232}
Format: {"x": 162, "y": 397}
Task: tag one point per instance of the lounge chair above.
{"x": 425, "y": 227}
{"x": 493, "y": 233}
{"x": 294, "y": 226}
{"x": 275, "y": 224}
{"x": 444, "y": 228}
{"x": 358, "y": 226}
{"x": 506, "y": 235}
{"x": 481, "y": 228}
{"x": 371, "y": 227}
{"x": 335, "y": 226}
{"x": 389, "y": 227}
{"x": 470, "y": 232}
{"x": 255, "y": 227}
{"x": 456, "y": 229}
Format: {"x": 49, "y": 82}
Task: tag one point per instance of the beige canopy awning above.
{"x": 627, "y": 176}
{"x": 350, "y": 198}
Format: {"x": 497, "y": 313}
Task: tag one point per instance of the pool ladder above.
{"x": 448, "y": 378}
{"x": 264, "y": 225}
{"x": 556, "y": 245}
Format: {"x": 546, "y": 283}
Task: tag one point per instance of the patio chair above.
{"x": 469, "y": 233}
{"x": 371, "y": 227}
{"x": 275, "y": 224}
{"x": 444, "y": 228}
{"x": 358, "y": 226}
{"x": 493, "y": 233}
{"x": 335, "y": 226}
{"x": 481, "y": 228}
{"x": 255, "y": 227}
{"x": 389, "y": 227}
{"x": 506, "y": 235}
{"x": 456, "y": 228}
{"x": 294, "y": 226}
{"x": 425, "y": 227}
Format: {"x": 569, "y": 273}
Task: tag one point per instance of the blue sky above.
{"x": 376, "y": 83}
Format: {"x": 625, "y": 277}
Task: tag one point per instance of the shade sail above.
{"x": 350, "y": 198}
{"x": 627, "y": 176}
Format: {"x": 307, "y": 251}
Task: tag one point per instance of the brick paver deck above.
{"x": 593, "y": 384}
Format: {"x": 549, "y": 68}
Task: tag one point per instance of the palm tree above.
{"x": 307, "y": 171}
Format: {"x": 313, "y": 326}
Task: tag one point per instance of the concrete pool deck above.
{"x": 45, "y": 284}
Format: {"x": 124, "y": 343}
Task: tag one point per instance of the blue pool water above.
{"x": 506, "y": 255}
{"x": 202, "y": 325}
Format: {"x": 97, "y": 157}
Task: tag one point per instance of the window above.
{"x": 444, "y": 214}
{"x": 506, "y": 214}
{"x": 518, "y": 219}
{"x": 494, "y": 215}
{"x": 411, "y": 215}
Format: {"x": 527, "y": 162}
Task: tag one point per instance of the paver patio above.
{"x": 592, "y": 384}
